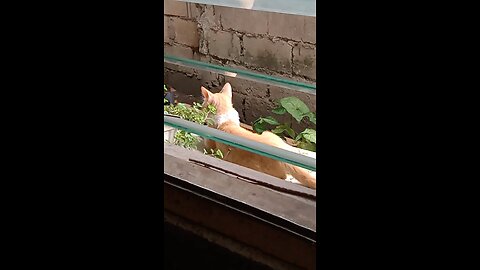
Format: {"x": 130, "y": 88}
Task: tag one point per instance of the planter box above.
{"x": 169, "y": 133}
{"x": 169, "y": 136}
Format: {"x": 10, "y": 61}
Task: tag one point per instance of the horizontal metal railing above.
{"x": 243, "y": 74}
{"x": 242, "y": 143}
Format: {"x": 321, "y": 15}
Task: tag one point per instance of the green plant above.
{"x": 214, "y": 153}
{"x": 297, "y": 109}
{"x": 195, "y": 114}
{"x": 165, "y": 101}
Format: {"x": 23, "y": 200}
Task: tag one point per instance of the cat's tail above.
{"x": 302, "y": 175}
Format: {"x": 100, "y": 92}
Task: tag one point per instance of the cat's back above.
{"x": 266, "y": 137}
{"x": 251, "y": 160}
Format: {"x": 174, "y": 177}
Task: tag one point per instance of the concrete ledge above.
{"x": 295, "y": 209}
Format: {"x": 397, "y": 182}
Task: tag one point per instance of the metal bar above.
{"x": 243, "y": 74}
{"x": 242, "y": 143}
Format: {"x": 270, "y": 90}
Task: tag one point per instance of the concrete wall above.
{"x": 271, "y": 43}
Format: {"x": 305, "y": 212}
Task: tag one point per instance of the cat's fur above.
{"x": 227, "y": 120}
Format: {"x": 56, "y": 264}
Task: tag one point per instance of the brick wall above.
{"x": 276, "y": 44}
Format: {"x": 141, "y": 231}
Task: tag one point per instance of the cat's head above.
{"x": 223, "y": 103}
{"x": 221, "y": 100}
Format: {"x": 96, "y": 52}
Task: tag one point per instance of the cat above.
{"x": 228, "y": 120}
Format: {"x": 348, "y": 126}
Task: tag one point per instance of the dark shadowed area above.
{"x": 184, "y": 250}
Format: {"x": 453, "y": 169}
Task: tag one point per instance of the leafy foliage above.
{"x": 295, "y": 107}
{"x": 195, "y": 114}
{"x": 165, "y": 101}
{"x": 299, "y": 111}
{"x": 214, "y": 153}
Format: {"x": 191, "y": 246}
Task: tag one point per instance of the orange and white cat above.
{"x": 227, "y": 120}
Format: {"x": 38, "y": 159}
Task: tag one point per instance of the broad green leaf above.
{"x": 279, "y": 110}
{"x": 278, "y": 130}
{"x": 290, "y": 132}
{"x": 270, "y": 120}
{"x": 259, "y": 126}
{"x": 258, "y": 121}
{"x": 312, "y": 117}
{"x": 309, "y": 134}
{"x": 295, "y": 107}
{"x": 308, "y": 146}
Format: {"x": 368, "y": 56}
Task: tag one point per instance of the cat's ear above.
{"x": 227, "y": 89}
{"x": 206, "y": 94}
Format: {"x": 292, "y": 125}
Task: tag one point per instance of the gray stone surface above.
{"x": 286, "y": 26}
{"x": 277, "y": 44}
{"x": 186, "y": 32}
{"x": 265, "y": 53}
{"x": 242, "y": 20}
{"x": 304, "y": 60}
{"x": 223, "y": 44}
{"x": 175, "y": 8}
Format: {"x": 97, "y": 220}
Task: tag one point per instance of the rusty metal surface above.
{"x": 272, "y": 239}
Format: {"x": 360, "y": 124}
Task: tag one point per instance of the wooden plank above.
{"x": 240, "y": 227}
{"x": 295, "y": 209}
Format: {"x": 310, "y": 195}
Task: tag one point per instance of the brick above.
{"x": 195, "y": 10}
{"x": 204, "y": 14}
{"x": 248, "y": 88}
{"x": 310, "y": 30}
{"x": 304, "y": 61}
{"x": 170, "y": 28}
{"x": 178, "y": 51}
{"x": 208, "y": 18}
{"x": 175, "y": 8}
{"x": 224, "y": 44}
{"x": 242, "y": 20}
{"x": 185, "y": 84}
{"x": 295, "y": 27}
{"x": 286, "y": 25}
{"x": 208, "y": 79}
{"x": 238, "y": 101}
{"x": 186, "y": 32}
{"x": 189, "y": 72}
{"x": 264, "y": 53}
{"x": 165, "y": 29}
{"x": 255, "y": 108}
